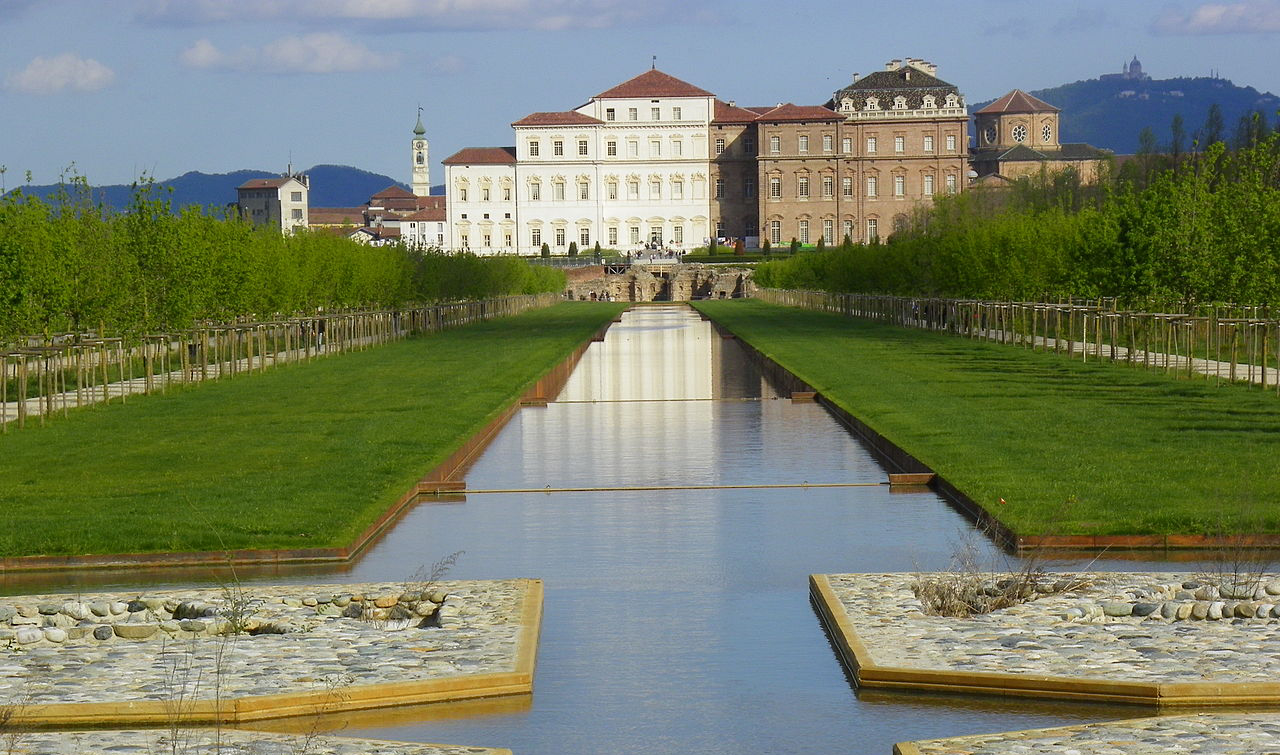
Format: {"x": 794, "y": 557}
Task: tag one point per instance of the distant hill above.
{"x": 1111, "y": 113}
{"x": 331, "y": 186}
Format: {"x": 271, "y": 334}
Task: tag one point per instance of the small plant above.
{"x": 546, "y": 249}
{"x": 573, "y": 249}
{"x": 739, "y": 248}
{"x": 711, "y": 248}
{"x": 795, "y": 246}
{"x": 766, "y": 248}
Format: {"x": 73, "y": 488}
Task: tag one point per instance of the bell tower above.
{"x": 421, "y": 160}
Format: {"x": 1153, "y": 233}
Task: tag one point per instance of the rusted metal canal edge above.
{"x": 438, "y": 484}
{"x": 902, "y": 464}
{"x": 867, "y": 673}
{"x": 241, "y": 710}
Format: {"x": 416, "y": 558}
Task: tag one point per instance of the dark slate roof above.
{"x": 907, "y": 81}
{"x": 483, "y": 156}
{"x": 1023, "y": 153}
{"x": 566, "y": 118}
{"x": 654, "y": 83}
{"x": 1018, "y": 101}
{"x": 790, "y": 112}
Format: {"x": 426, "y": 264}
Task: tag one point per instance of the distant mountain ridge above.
{"x": 1110, "y": 113}
{"x": 331, "y": 186}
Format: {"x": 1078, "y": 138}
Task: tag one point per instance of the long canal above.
{"x": 678, "y": 620}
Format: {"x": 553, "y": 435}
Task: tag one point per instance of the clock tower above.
{"x": 421, "y": 160}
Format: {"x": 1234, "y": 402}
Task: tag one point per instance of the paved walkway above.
{"x": 214, "y": 742}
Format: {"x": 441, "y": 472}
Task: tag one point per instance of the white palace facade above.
{"x": 630, "y": 167}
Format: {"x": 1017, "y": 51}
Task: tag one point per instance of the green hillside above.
{"x": 1111, "y": 113}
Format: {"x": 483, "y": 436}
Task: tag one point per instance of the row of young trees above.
{"x": 1200, "y": 228}
{"x": 69, "y": 266}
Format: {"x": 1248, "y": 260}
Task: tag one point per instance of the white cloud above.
{"x": 59, "y": 73}
{"x": 310, "y": 53}
{"x": 412, "y": 15}
{"x": 1249, "y": 17}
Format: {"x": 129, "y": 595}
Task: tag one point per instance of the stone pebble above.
{"x": 474, "y": 628}
{"x": 1116, "y": 626}
{"x": 1216, "y": 734}
{"x": 223, "y": 742}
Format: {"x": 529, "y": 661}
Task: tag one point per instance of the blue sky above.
{"x": 119, "y": 87}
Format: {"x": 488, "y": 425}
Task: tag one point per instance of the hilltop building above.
{"x": 1131, "y": 71}
{"x": 1018, "y": 135}
{"x": 279, "y": 202}
{"x": 658, "y": 162}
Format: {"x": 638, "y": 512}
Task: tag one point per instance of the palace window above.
{"x": 899, "y": 186}
{"x": 584, "y": 237}
{"x": 633, "y": 148}
{"x": 802, "y": 187}
{"x": 871, "y": 145}
{"x": 802, "y": 144}
{"x": 846, "y": 145}
{"x": 928, "y": 142}
{"x": 749, "y": 145}
{"x": 677, "y": 189}
{"x": 775, "y": 187}
{"x": 675, "y": 113}
{"x": 655, "y": 114}
{"x": 719, "y": 145}
{"x": 488, "y": 240}
{"x": 775, "y": 231}
{"x": 560, "y": 237}
{"x": 584, "y": 191}
{"x": 611, "y": 148}
{"x": 749, "y": 186}
{"x": 613, "y": 235}
{"x": 899, "y": 144}
{"x": 775, "y": 144}
{"x": 506, "y": 193}
{"x": 582, "y": 148}
{"x": 633, "y": 189}
{"x": 951, "y": 142}
{"x": 872, "y": 182}
{"x": 611, "y": 190}
{"x": 535, "y": 236}
{"x": 677, "y": 234}
{"x": 655, "y": 148}
{"x": 951, "y": 183}
{"x": 484, "y": 194}
{"x": 677, "y": 147}
{"x": 828, "y": 231}
{"x": 655, "y": 189}
{"x": 533, "y": 149}
{"x": 873, "y": 229}
{"x": 928, "y": 184}
{"x": 535, "y": 192}
{"x": 848, "y": 229}
{"x": 635, "y": 234}
{"x": 828, "y": 186}
{"x": 633, "y": 114}
{"x": 846, "y": 186}
{"x": 557, "y": 148}
{"x": 719, "y": 188}
{"x": 610, "y": 114}
{"x": 804, "y": 232}
{"x": 462, "y": 194}
{"x": 828, "y": 142}
{"x": 557, "y": 190}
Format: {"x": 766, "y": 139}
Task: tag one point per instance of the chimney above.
{"x": 733, "y": 103}
{"x": 855, "y": 78}
{"x": 892, "y": 65}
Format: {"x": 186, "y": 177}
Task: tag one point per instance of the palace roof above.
{"x": 1018, "y": 101}
{"x": 483, "y": 156}
{"x": 728, "y": 113}
{"x": 790, "y": 112}
{"x": 654, "y": 83}
{"x": 566, "y": 118}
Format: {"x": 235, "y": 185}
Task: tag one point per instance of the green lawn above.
{"x": 1073, "y": 448}
{"x": 304, "y": 455}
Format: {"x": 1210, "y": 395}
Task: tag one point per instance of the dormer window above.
{"x": 873, "y": 103}
{"x": 930, "y": 102}
{"x": 953, "y": 101}
{"x": 899, "y": 103}
{"x": 846, "y": 104}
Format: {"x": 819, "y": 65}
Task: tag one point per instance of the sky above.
{"x": 113, "y": 89}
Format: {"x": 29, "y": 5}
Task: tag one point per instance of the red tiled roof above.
{"x": 335, "y": 216}
{"x": 567, "y": 118}
{"x": 393, "y": 192}
{"x": 430, "y": 213}
{"x": 265, "y": 183}
{"x": 790, "y": 112}
{"x": 726, "y": 113}
{"x": 483, "y": 156}
{"x": 654, "y": 83}
{"x": 1018, "y": 101}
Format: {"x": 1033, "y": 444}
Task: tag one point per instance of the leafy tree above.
{"x": 1214, "y": 128}
{"x": 711, "y": 247}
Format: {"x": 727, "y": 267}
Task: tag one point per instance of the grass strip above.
{"x": 303, "y": 456}
{"x": 1073, "y": 449}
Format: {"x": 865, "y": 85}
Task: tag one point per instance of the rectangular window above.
{"x": 557, "y": 190}
{"x": 677, "y": 189}
{"x": 775, "y": 231}
{"x": 655, "y": 148}
{"x": 584, "y": 191}
{"x": 675, "y": 113}
{"x": 611, "y": 190}
{"x": 610, "y": 114}
{"x": 719, "y": 188}
{"x": 560, "y": 237}
{"x": 828, "y": 186}
{"x": 611, "y": 148}
{"x": 928, "y": 185}
{"x": 633, "y": 149}
{"x": 506, "y": 193}
{"x": 466, "y": 241}
{"x": 533, "y": 149}
{"x": 633, "y": 189}
{"x": 899, "y": 144}
{"x": 719, "y": 229}
{"x": 462, "y": 195}
{"x": 295, "y": 196}
{"x": 928, "y": 142}
{"x": 829, "y": 231}
{"x": 719, "y": 145}
{"x": 506, "y": 239}
{"x": 775, "y": 144}
{"x": 635, "y": 234}
{"x": 846, "y": 145}
{"x": 484, "y": 194}
{"x": 749, "y": 186}
{"x": 848, "y": 229}
{"x": 873, "y": 229}
{"x": 846, "y": 186}
{"x": 827, "y": 142}
{"x": 802, "y": 187}
{"x": 677, "y": 147}
{"x": 871, "y": 186}
{"x": 951, "y": 142}
{"x": 951, "y": 183}
{"x": 613, "y": 235}
{"x": 633, "y": 114}
{"x": 749, "y": 144}
{"x": 582, "y": 148}
{"x": 584, "y": 237}
{"x": 899, "y": 186}
{"x": 557, "y": 148}
{"x": 775, "y": 187}
{"x": 871, "y": 145}
{"x": 655, "y": 189}
{"x": 803, "y": 144}
{"x": 535, "y": 192}
{"x": 488, "y": 240}
{"x": 297, "y": 214}
{"x": 655, "y": 114}
{"x": 803, "y": 238}
{"x": 677, "y": 234}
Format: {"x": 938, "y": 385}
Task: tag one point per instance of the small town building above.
{"x": 278, "y": 202}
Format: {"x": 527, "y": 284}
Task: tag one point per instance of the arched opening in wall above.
{"x": 663, "y": 290}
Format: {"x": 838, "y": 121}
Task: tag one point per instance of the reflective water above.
{"x": 679, "y": 620}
